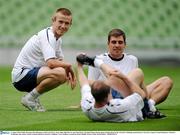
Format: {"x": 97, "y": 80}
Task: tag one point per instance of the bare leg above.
{"x": 125, "y": 84}
{"x": 50, "y": 78}
{"x": 159, "y": 90}
{"x": 137, "y": 76}
{"x": 47, "y": 79}
{"x": 118, "y": 84}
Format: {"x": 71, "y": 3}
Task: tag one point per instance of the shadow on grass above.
{"x": 63, "y": 110}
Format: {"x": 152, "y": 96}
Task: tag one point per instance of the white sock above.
{"x": 33, "y": 94}
{"x": 98, "y": 62}
{"x": 151, "y": 103}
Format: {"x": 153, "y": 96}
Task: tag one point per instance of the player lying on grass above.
{"x": 96, "y": 98}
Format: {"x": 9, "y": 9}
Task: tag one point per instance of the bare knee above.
{"x": 167, "y": 82}
{"x": 59, "y": 75}
{"x": 138, "y": 73}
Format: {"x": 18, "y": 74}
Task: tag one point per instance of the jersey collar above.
{"x": 114, "y": 59}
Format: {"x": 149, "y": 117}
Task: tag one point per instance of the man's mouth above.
{"x": 116, "y": 49}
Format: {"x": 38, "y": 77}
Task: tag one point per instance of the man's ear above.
{"x": 53, "y": 18}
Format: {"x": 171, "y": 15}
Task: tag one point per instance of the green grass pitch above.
{"x": 59, "y": 117}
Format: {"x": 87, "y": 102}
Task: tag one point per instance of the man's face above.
{"x": 116, "y": 46}
{"x": 61, "y": 24}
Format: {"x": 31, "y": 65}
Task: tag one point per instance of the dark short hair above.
{"x": 64, "y": 11}
{"x": 116, "y": 33}
{"x": 100, "y": 91}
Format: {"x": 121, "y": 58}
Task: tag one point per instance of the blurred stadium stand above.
{"x": 152, "y": 26}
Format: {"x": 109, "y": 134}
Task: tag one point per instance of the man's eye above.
{"x": 67, "y": 23}
{"x": 113, "y": 42}
{"x": 61, "y": 22}
{"x": 120, "y": 42}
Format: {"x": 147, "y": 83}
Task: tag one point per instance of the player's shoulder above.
{"x": 130, "y": 56}
{"x": 44, "y": 30}
{"x": 102, "y": 55}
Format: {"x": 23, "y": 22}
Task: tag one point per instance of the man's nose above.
{"x": 63, "y": 25}
{"x": 117, "y": 44}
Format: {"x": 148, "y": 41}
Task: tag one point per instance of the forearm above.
{"x": 53, "y": 63}
{"x": 82, "y": 77}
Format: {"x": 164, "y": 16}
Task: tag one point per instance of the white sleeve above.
{"x": 47, "y": 50}
{"x": 136, "y": 63}
{"x": 85, "y": 91}
{"x": 87, "y": 99}
{"x": 93, "y": 73}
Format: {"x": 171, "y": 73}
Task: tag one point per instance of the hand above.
{"x": 113, "y": 72}
{"x": 71, "y": 77}
{"x": 109, "y": 71}
{"x": 72, "y": 81}
{"x": 117, "y": 74}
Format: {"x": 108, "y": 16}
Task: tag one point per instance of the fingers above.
{"x": 114, "y": 72}
{"x": 73, "y": 84}
{"x": 72, "y": 81}
{"x": 69, "y": 70}
{"x": 71, "y": 78}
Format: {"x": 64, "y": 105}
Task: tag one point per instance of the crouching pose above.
{"x": 40, "y": 67}
{"x": 96, "y": 99}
